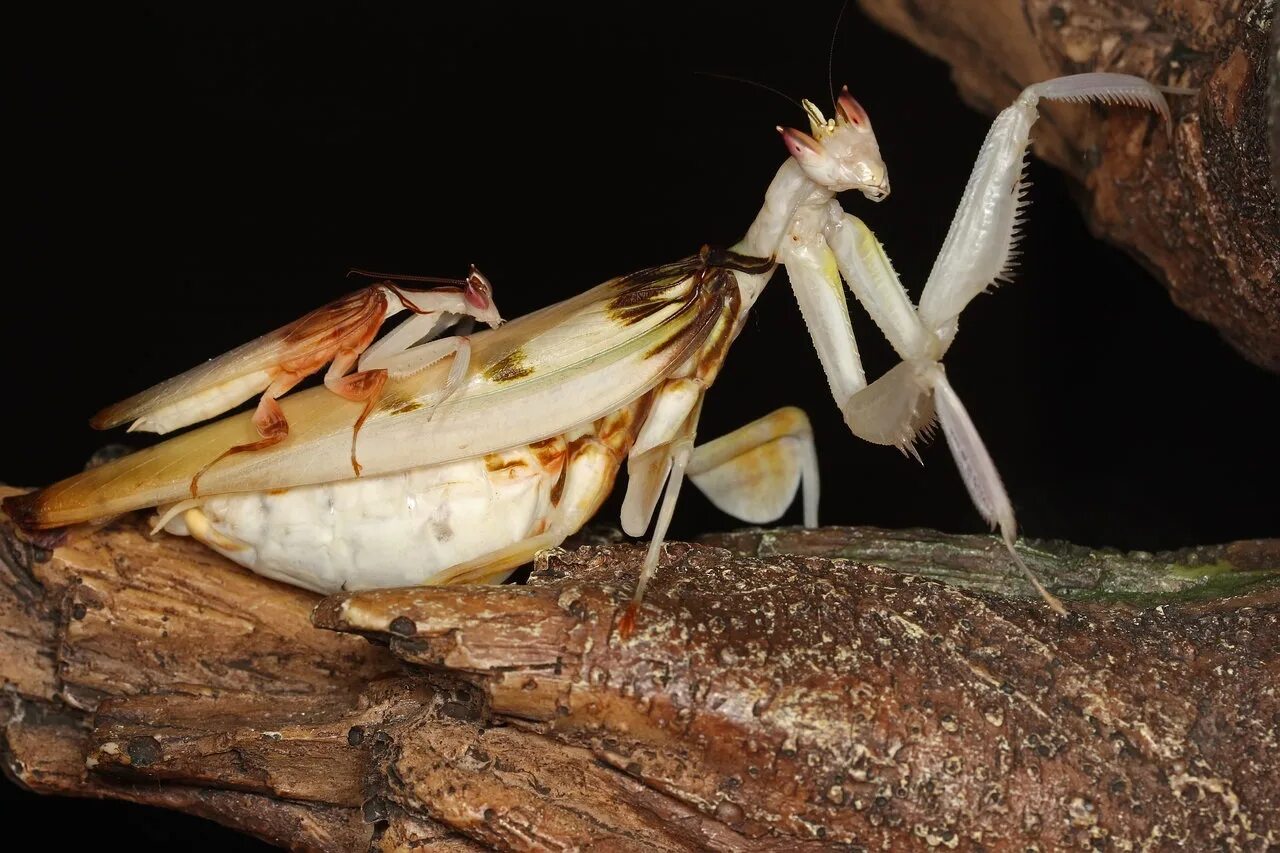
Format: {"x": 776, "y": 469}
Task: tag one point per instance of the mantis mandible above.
{"x": 465, "y": 473}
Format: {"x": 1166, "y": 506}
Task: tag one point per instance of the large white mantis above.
{"x": 466, "y": 472}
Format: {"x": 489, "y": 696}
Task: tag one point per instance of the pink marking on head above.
{"x": 800, "y": 144}
{"x": 477, "y": 292}
{"x": 849, "y": 110}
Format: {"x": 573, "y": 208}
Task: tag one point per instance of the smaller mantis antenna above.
{"x": 429, "y": 279}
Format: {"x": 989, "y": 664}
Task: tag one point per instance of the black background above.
{"x": 187, "y": 178}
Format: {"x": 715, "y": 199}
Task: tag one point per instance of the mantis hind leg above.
{"x": 363, "y": 387}
{"x": 268, "y": 419}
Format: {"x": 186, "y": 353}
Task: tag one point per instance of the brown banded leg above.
{"x": 366, "y": 387}
{"x": 270, "y": 422}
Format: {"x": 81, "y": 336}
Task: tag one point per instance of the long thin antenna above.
{"x": 831, "y": 52}
{"x": 755, "y": 83}
{"x": 430, "y": 279}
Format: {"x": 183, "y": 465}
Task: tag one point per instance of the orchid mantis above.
{"x": 469, "y": 466}
{"x": 339, "y": 334}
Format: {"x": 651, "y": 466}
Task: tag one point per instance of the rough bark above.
{"x": 767, "y": 700}
{"x": 1197, "y": 207}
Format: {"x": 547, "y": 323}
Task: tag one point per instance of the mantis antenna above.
{"x": 831, "y": 52}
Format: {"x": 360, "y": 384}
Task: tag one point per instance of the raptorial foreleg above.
{"x": 980, "y": 247}
{"x": 901, "y": 405}
{"x": 978, "y": 250}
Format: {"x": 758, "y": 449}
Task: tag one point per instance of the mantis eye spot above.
{"x": 476, "y": 298}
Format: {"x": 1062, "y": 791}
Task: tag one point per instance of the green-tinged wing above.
{"x": 532, "y": 378}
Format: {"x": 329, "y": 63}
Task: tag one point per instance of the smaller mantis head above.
{"x": 478, "y": 293}
{"x": 842, "y": 153}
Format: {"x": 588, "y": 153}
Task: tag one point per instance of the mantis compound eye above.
{"x": 478, "y": 292}
{"x": 801, "y": 145}
{"x": 849, "y": 111}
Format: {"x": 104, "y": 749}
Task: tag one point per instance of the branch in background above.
{"x": 1199, "y": 208}
{"x": 766, "y": 700}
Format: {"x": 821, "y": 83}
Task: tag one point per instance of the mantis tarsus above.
{"x": 463, "y": 477}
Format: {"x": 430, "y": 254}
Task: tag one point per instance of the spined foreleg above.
{"x": 899, "y": 406}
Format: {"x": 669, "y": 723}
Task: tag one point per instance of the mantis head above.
{"x": 842, "y": 153}
{"x": 479, "y": 295}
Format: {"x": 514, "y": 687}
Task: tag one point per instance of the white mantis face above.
{"x": 479, "y": 295}
{"x": 842, "y": 153}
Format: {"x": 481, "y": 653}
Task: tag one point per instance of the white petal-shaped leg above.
{"x": 681, "y": 450}
{"x": 649, "y": 460}
{"x": 753, "y": 473}
{"x": 672, "y": 405}
{"x": 645, "y": 475}
{"x": 670, "y": 441}
{"x": 675, "y": 461}
{"x": 979, "y": 248}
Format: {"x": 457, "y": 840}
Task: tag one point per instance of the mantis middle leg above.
{"x": 752, "y": 473}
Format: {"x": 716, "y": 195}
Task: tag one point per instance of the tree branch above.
{"x": 766, "y": 700}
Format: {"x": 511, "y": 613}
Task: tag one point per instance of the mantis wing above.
{"x": 247, "y": 363}
{"x": 535, "y": 377}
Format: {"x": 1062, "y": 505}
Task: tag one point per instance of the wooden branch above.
{"x": 1199, "y": 208}
{"x": 766, "y": 701}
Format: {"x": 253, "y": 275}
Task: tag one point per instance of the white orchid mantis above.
{"x": 979, "y": 250}
{"x": 470, "y": 465}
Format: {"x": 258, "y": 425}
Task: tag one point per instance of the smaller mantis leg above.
{"x": 668, "y": 444}
{"x": 649, "y": 459}
{"x": 753, "y": 473}
{"x": 268, "y": 419}
{"x": 363, "y": 387}
{"x": 418, "y": 358}
{"x": 367, "y": 383}
{"x": 419, "y": 327}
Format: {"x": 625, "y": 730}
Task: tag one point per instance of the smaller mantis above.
{"x": 338, "y": 334}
